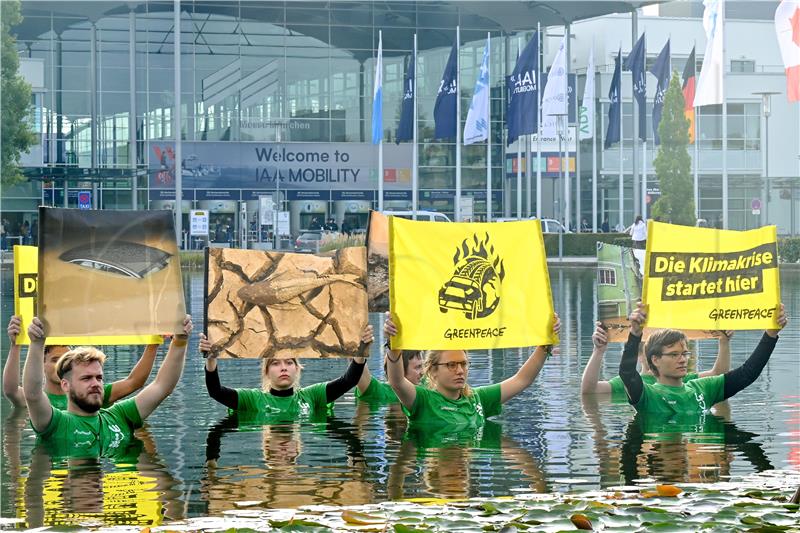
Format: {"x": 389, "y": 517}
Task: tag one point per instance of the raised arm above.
{"x": 338, "y": 387}
{"x": 634, "y": 386}
{"x": 11, "y": 388}
{"x": 366, "y": 377}
{"x": 529, "y": 370}
{"x": 138, "y": 376}
{"x": 39, "y": 408}
{"x": 224, "y": 395}
{"x": 405, "y": 390}
{"x": 742, "y": 377}
{"x": 590, "y": 382}
{"x": 168, "y": 375}
{"x": 722, "y": 363}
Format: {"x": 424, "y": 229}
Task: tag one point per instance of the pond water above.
{"x": 195, "y": 461}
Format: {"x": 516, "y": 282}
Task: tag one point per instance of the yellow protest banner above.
{"x": 702, "y": 278}
{"x": 26, "y": 270}
{"x": 469, "y": 285}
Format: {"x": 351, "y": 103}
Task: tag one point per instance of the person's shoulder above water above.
{"x": 377, "y": 392}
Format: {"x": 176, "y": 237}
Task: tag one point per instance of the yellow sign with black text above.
{"x": 702, "y": 278}
{"x": 469, "y": 285}
{"x": 26, "y": 270}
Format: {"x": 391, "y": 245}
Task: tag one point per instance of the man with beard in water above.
{"x": 84, "y": 428}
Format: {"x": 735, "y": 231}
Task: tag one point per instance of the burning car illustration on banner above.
{"x": 474, "y": 287}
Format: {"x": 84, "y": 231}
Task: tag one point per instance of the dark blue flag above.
{"x": 405, "y": 130}
{"x": 612, "y": 133}
{"x": 660, "y": 70}
{"x": 444, "y": 110}
{"x": 523, "y": 85}
{"x": 635, "y": 63}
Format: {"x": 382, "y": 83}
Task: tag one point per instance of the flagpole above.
{"x": 380, "y": 143}
{"x": 458, "y": 125}
{"x": 489, "y": 128}
{"x": 635, "y": 111}
{"x": 621, "y": 222}
{"x": 567, "y": 187}
{"x": 415, "y": 148}
{"x": 528, "y": 177}
{"x": 539, "y": 121}
{"x": 594, "y": 151}
{"x": 519, "y": 151}
{"x": 696, "y": 146}
{"x": 724, "y": 127}
{"x": 644, "y": 180}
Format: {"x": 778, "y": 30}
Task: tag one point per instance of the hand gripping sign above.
{"x": 702, "y": 278}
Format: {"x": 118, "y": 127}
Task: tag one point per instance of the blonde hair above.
{"x": 432, "y": 359}
{"x": 81, "y": 355}
{"x": 266, "y": 384}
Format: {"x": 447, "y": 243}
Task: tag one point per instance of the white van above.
{"x": 431, "y": 216}
{"x": 549, "y": 225}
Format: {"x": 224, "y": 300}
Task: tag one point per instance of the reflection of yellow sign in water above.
{"x": 26, "y": 267}
{"x": 461, "y": 286}
{"x": 712, "y": 279}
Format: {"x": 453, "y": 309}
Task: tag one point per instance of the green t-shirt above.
{"x": 617, "y": 387}
{"x": 695, "y": 396}
{"x": 307, "y": 403}
{"x": 59, "y": 401}
{"x": 108, "y": 433}
{"x": 377, "y": 392}
{"x": 430, "y": 407}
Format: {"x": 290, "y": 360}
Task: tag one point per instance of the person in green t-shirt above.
{"x": 592, "y": 384}
{"x": 86, "y": 428}
{"x": 667, "y": 354}
{"x": 371, "y": 390}
{"x": 448, "y": 401}
{"x": 280, "y": 397}
{"x": 52, "y": 384}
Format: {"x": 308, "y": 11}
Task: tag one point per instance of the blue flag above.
{"x": 635, "y": 63}
{"x": 444, "y": 110}
{"x": 612, "y": 133}
{"x": 377, "y": 97}
{"x": 523, "y": 85}
{"x": 660, "y": 70}
{"x": 405, "y": 130}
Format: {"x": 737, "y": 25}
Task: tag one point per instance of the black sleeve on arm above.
{"x": 227, "y": 397}
{"x": 336, "y": 388}
{"x": 627, "y": 369}
{"x": 740, "y": 378}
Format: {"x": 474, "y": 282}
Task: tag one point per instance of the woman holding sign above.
{"x": 448, "y": 400}
{"x": 280, "y": 395}
{"x": 667, "y": 354}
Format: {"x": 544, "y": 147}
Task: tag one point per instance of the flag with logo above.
{"x": 377, "y": 97}
{"x": 635, "y": 62}
{"x": 469, "y": 285}
{"x": 689, "y": 79}
{"x": 709, "y": 85}
{"x": 26, "y": 270}
{"x": 405, "y": 130}
{"x": 787, "y": 28}
{"x": 444, "y": 110}
{"x": 554, "y": 97}
{"x": 476, "y": 129}
{"x": 704, "y": 278}
{"x": 523, "y": 84}
{"x": 660, "y": 70}
{"x": 587, "y": 106}
{"x": 614, "y": 91}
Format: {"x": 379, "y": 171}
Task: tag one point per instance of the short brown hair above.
{"x": 81, "y": 355}
{"x": 407, "y": 356}
{"x": 657, "y": 342}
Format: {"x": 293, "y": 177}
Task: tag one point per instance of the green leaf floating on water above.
{"x": 401, "y": 528}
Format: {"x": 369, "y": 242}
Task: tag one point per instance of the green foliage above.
{"x": 672, "y": 163}
{"x": 17, "y": 134}
{"x": 789, "y": 250}
{"x": 583, "y": 244}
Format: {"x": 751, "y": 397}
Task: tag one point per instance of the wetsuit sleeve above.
{"x": 627, "y": 370}
{"x": 740, "y": 378}
{"x": 227, "y": 397}
{"x": 336, "y": 388}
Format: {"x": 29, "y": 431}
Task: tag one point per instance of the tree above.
{"x": 672, "y": 163}
{"x": 16, "y": 135}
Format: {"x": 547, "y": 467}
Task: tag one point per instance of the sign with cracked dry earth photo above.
{"x": 273, "y": 304}
{"x": 378, "y": 262}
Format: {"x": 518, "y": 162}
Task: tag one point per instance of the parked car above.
{"x": 430, "y": 216}
{"x": 308, "y": 241}
{"x": 549, "y": 225}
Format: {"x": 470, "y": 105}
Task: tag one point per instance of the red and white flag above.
{"x": 787, "y": 27}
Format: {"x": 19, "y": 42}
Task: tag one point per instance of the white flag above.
{"x": 476, "y": 128}
{"x": 709, "y": 84}
{"x": 586, "y": 117}
{"x": 554, "y": 97}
